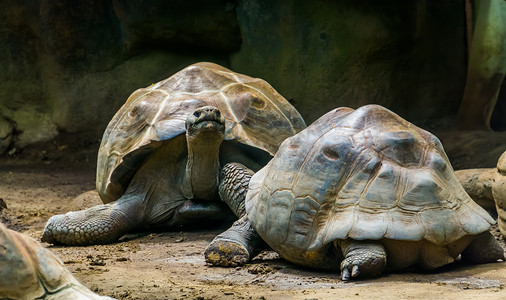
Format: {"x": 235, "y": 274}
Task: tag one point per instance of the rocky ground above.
{"x": 60, "y": 176}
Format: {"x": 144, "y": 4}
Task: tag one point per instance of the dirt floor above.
{"x": 57, "y": 177}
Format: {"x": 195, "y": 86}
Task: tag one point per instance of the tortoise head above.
{"x": 206, "y": 122}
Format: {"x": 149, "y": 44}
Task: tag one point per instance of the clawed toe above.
{"x": 346, "y": 275}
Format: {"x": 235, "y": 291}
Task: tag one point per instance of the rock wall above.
{"x": 67, "y": 66}
{"x": 409, "y": 56}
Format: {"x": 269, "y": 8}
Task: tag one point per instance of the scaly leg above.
{"x": 240, "y": 243}
{"x": 234, "y": 181}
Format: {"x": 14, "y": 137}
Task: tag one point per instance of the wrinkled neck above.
{"x": 203, "y": 167}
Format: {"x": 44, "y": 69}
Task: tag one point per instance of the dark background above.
{"x": 67, "y": 66}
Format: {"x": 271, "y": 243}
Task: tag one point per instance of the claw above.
{"x": 355, "y": 271}
{"x": 345, "y": 274}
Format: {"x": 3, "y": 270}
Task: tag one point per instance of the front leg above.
{"x": 236, "y": 246}
{"x": 234, "y": 182}
{"x": 101, "y": 224}
{"x": 361, "y": 258}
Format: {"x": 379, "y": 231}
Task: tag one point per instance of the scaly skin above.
{"x": 101, "y": 224}
{"x": 234, "y": 181}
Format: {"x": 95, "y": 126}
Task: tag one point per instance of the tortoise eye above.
{"x": 218, "y": 113}
{"x": 196, "y": 114}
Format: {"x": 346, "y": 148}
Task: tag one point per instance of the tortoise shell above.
{"x": 365, "y": 174}
{"x": 255, "y": 115}
{"x": 30, "y": 271}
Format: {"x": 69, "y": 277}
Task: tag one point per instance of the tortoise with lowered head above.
{"x": 160, "y": 156}
{"x": 30, "y": 271}
{"x": 361, "y": 190}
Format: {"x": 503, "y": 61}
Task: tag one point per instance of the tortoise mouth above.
{"x": 207, "y": 125}
{"x": 206, "y": 132}
{"x": 209, "y": 118}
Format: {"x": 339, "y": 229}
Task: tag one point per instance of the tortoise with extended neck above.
{"x": 361, "y": 190}
{"x": 30, "y": 271}
{"x": 160, "y": 157}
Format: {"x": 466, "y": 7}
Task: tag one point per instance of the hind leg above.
{"x": 361, "y": 258}
{"x": 483, "y": 249}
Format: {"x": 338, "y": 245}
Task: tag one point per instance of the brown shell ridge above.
{"x": 233, "y": 74}
{"x": 353, "y": 170}
{"x": 480, "y": 212}
{"x": 227, "y": 102}
{"x": 148, "y": 136}
{"x": 121, "y": 117}
{"x": 324, "y": 214}
{"x": 246, "y": 137}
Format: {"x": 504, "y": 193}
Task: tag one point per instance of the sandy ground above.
{"x": 57, "y": 177}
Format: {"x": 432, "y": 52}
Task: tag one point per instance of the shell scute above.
{"x": 471, "y": 224}
{"x": 404, "y": 225}
{"x": 382, "y": 193}
{"x": 422, "y": 192}
{"x": 279, "y": 209}
{"x": 335, "y": 225}
{"x": 441, "y": 227}
{"x": 368, "y": 224}
{"x": 301, "y": 220}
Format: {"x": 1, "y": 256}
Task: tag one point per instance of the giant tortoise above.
{"x": 160, "y": 156}
{"x": 30, "y": 271}
{"x": 361, "y": 190}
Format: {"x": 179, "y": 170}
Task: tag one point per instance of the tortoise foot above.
{"x": 362, "y": 259}
{"x": 236, "y": 246}
{"x": 96, "y": 225}
{"x": 226, "y": 254}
